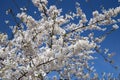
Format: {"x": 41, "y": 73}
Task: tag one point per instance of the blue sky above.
{"x": 112, "y": 41}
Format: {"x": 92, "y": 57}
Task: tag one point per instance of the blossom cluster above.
{"x": 47, "y": 46}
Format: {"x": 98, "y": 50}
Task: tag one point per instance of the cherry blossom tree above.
{"x": 55, "y": 43}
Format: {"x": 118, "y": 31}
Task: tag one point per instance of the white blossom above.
{"x": 54, "y": 43}
{"x": 115, "y": 26}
